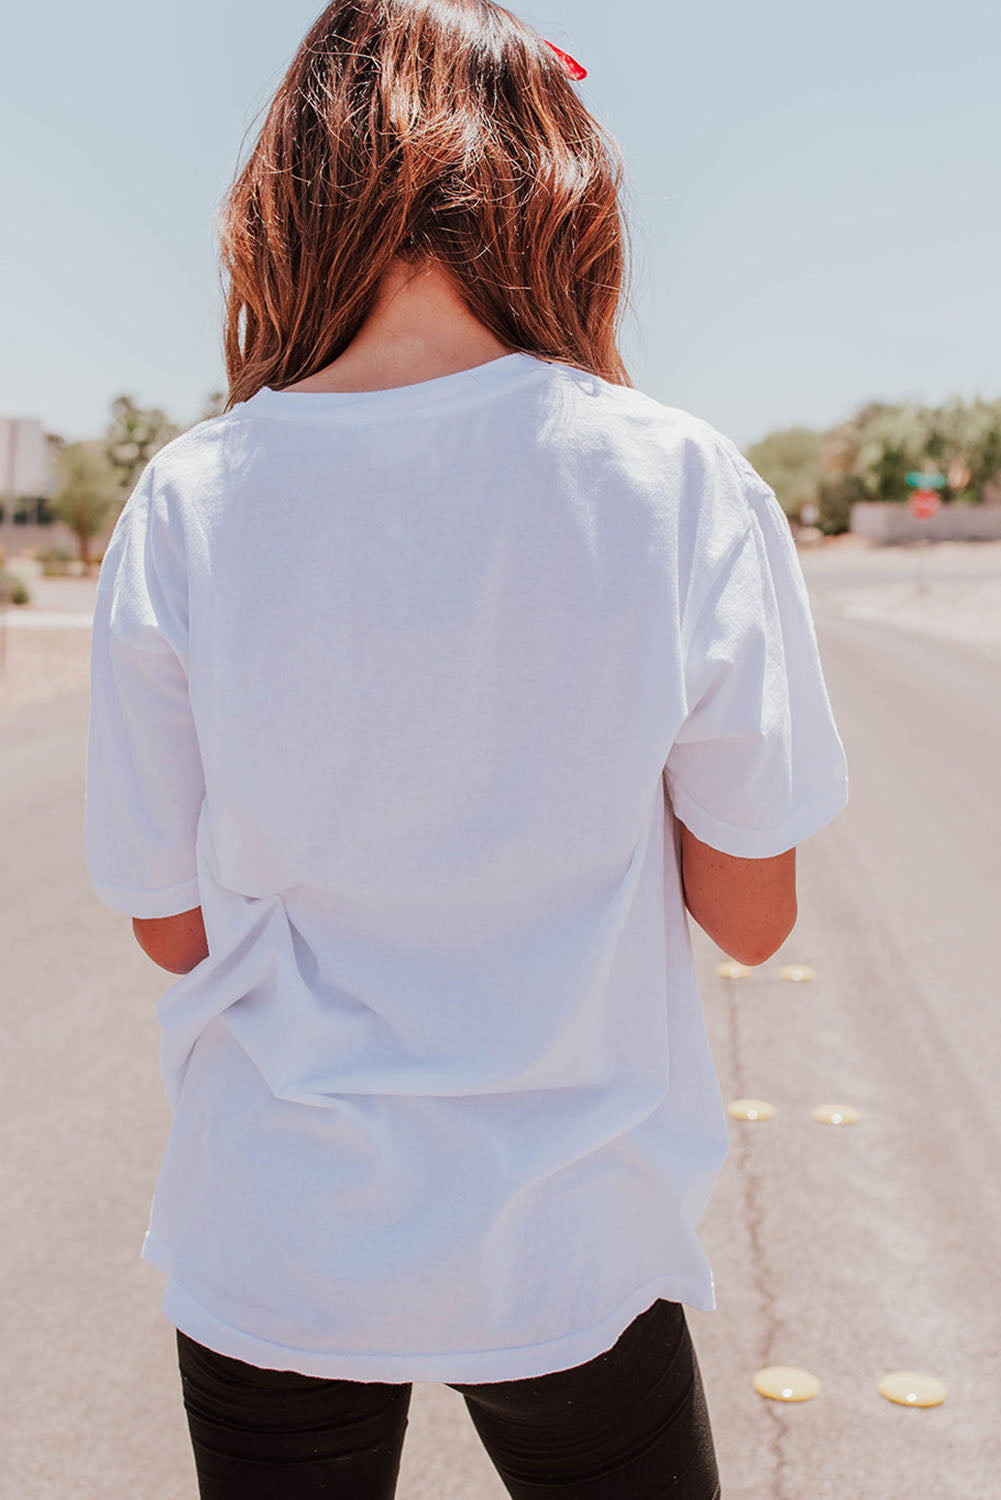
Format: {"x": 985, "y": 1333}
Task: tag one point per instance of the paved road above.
{"x": 851, "y": 1251}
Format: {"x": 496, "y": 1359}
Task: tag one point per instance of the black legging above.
{"x": 630, "y": 1424}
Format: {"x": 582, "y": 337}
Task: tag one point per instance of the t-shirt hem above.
{"x": 475, "y": 1367}
{"x": 166, "y": 902}
{"x": 759, "y": 843}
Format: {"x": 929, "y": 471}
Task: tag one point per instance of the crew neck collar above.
{"x": 458, "y": 388}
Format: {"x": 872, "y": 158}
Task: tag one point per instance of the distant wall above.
{"x": 891, "y": 521}
{"x": 25, "y": 464}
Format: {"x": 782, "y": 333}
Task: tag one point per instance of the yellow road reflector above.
{"x": 785, "y": 1383}
{"x": 732, "y": 970}
{"x": 836, "y": 1114}
{"x": 750, "y": 1109}
{"x": 797, "y": 972}
{"x": 910, "y": 1388}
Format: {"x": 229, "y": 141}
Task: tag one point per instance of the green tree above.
{"x": 839, "y": 449}
{"x": 132, "y": 436}
{"x": 965, "y": 442}
{"x": 87, "y": 491}
{"x": 891, "y": 444}
{"x": 869, "y": 455}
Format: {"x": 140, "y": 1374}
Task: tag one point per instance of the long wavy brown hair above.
{"x": 446, "y": 129}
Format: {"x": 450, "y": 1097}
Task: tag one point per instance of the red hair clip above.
{"x": 572, "y": 66}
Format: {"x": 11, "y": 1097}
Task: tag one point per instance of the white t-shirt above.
{"x": 394, "y": 685}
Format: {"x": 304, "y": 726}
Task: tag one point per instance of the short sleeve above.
{"x": 144, "y": 778}
{"x": 757, "y": 764}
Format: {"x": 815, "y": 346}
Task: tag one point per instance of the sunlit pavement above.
{"x": 845, "y": 1253}
{"x": 854, "y": 1254}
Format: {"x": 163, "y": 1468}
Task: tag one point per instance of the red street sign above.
{"x": 924, "y": 504}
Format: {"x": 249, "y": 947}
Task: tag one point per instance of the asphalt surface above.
{"x": 851, "y": 1251}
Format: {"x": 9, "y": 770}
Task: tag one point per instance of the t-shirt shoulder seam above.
{"x": 679, "y": 416}
{"x": 753, "y": 486}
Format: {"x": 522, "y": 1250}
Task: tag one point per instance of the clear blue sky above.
{"x": 813, "y": 193}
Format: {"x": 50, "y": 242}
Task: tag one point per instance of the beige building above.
{"x": 25, "y": 481}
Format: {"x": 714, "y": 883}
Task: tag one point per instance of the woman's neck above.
{"x": 419, "y": 328}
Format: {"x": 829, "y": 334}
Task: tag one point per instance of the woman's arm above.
{"x": 747, "y": 906}
{"x": 176, "y": 943}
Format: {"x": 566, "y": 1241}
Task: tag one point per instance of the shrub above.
{"x": 836, "y": 498}
{"x": 13, "y": 589}
{"x": 54, "y": 560}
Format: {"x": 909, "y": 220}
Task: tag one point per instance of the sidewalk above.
{"x": 45, "y": 645}
{"x": 951, "y": 590}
